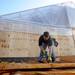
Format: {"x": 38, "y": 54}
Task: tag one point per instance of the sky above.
{"x": 11, "y": 6}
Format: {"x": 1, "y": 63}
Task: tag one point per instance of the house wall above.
{"x": 22, "y": 44}
{"x": 21, "y": 39}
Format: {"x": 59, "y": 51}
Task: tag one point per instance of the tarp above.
{"x": 59, "y": 15}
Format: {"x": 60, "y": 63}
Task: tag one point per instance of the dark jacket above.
{"x": 46, "y": 42}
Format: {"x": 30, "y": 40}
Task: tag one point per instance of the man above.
{"x": 44, "y": 42}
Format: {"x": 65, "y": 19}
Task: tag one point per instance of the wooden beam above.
{"x": 52, "y": 72}
{"x": 12, "y": 66}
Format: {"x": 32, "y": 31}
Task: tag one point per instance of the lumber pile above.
{"x": 37, "y": 69}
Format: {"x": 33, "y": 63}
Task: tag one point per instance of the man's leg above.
{"x": 49, "y": 54}
{"x": 43, "y": 53}
{"x": 53, "y": 55}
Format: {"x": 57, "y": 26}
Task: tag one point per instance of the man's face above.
{"x": 46, "y": 38}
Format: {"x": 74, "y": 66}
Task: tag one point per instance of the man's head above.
{"x": 46, "y": 35}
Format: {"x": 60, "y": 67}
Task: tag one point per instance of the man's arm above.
{"x": 56, "y": 43}
{"x": 40, "y": 43}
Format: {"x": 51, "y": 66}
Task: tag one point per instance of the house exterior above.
{"x": 20, "y": 31}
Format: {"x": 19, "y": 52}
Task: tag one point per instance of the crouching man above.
{"x": 45, "y": 41}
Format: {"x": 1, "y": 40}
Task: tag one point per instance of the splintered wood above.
{"x": 13, "y": 66}
{"x": 37, "y": 69}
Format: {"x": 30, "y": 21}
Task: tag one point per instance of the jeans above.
{"x": 51, "y": 53}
